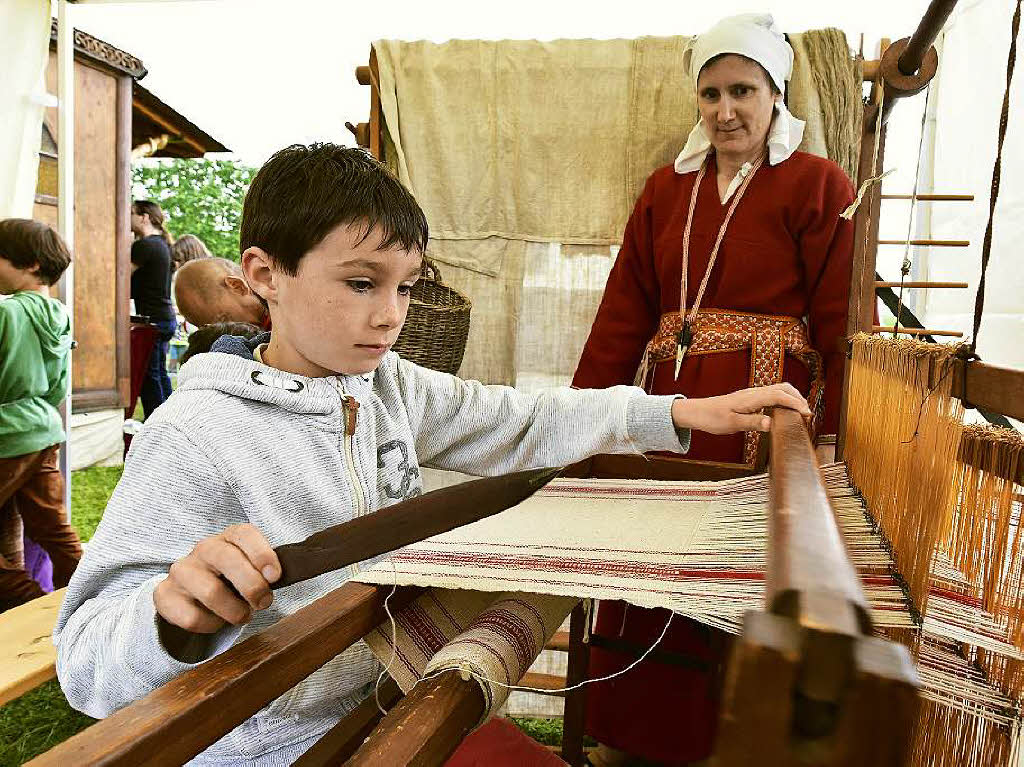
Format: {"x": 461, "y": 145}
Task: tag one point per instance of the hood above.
{"x": 50, "y": 320}
{"x": 229, "y": 368}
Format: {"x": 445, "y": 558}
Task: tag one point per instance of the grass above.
{"x": 36, "y": 722}
{"x": 42, "y": 718}
{"x": 90, "y": 489}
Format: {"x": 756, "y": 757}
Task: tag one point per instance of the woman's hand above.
{"x": 739, "y": 411}
{"x": 195, "y": 598}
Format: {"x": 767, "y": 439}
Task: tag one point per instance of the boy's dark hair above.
{"x": 304, "y": 192}
{"x": 200, "y": 341}
{"x": 27, "y": 243}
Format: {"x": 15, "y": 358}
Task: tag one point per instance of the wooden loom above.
{"x": 190, "y": 713}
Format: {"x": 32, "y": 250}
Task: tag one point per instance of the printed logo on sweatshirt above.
{"x": 399, "y": 465}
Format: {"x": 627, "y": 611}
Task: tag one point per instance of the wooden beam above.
{"x": 806, "y": 684}
{"x": 805, "y": 551}
{"x": 931, "y": 197}
{"x": 992, "y": 388}
{"x": 342, "y": 740}
{"x": 559, "y": 642}
{"x": 177, "y": 721}
{"x": 426, "y": 727}
{"x": 862, "y": 304}
{"x": 913, "y": 55}
{"x": 574, "y": 715}
{"x": 28, "y": 657}
{"x": 930, "y": 243}
{"x": 916, "y": 331}
{"x": 552, "y": 684}
{"x": 884, "y": 284}
{"x": 123, "y": 247}
{"x": 168, "y": 127}
{"x": 376, "y": 111}
{"x": 606, "y": 466}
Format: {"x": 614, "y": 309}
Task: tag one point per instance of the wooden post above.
{"x": 574, "y": 717}
{"x": 426, "y": 727}
{"x": 346, "y": 736}
{"x": 862, "y": 305}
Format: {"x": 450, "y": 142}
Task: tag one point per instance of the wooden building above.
{"x": 113, "y": 116}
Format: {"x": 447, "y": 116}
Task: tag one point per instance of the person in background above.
{"x": 151, "y": 291}
{"x": 740, "y": 238}
{"x": 200, "y": 341}
{"x": 211, "y": 290}
{"x": 35, "y": 340}
{"x": 187, "y": 248}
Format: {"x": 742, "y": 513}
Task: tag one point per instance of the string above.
{"x": 394, "y": 639}
{"x": 481, "y": 677}
{"x": 905, "y": 267}
{"x": 547, "y": 691}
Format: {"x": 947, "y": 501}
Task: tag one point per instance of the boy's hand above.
{"x": 194, "y": 597}
{"x": 739, "y": 411}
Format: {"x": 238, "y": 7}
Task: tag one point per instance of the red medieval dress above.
{"x": 786, "y": 257}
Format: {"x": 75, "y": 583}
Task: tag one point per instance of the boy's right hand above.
{"x": 194, "y": 597}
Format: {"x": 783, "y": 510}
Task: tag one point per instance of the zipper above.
{"x": 350, "y": 407}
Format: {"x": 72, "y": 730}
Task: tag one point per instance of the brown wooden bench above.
{"x": 27, "y": 655}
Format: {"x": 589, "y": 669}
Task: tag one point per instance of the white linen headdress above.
{"x": 755, "y": 36}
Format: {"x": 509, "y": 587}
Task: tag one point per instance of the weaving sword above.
{"x": 407, "y": 522}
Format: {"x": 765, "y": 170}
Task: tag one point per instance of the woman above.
{"x": 151, "y": 291}
{"x": 756, "y": 224}
{"x": 187, "y": 248}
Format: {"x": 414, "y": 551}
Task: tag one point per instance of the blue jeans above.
{"x": 156, "y": 386}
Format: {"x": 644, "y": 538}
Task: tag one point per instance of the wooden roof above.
{"x": 103, "y": 53}
{"x": 152, "y": 118}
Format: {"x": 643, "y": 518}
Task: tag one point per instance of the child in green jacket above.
{"x": 35, "y": 344}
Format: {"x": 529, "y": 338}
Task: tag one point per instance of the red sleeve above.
{"x": 629, "y": 310}
{"x": 826, "y": 247}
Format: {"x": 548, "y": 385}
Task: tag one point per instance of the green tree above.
{"x": 200, "y": 197}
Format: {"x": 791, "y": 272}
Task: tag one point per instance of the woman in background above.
{"x": 187, "y": 248}
{"x": 151, "y": 291}
{"x": 734, "y": 271}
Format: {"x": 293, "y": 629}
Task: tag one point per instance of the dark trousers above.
{"x": 156, "y": 386}
{"x": 32, "y": 491}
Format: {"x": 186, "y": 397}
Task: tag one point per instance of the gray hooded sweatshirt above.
{"x": 242, "y": 442}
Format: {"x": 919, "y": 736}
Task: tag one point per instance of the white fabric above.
{"x": 753, "y": 35}
{"x": 966, "y": 97}
{"x": 25, "y": 42}
{"x": 784, "y": 137}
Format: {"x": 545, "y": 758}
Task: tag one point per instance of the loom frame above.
{"x": 184, "y": 717}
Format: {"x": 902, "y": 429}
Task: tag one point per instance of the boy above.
{"x": 35, "y": 342}
{"x": 305, "y": 427}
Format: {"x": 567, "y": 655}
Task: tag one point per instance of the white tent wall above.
{"x": 24, "y": 39}
{"x": 968, "y": 98}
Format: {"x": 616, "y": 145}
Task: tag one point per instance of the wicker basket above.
{"x": 436, "y": 328}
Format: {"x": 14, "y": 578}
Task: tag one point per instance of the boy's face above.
{"x": 343, "y": 309}
{"x": 13, "y": 279}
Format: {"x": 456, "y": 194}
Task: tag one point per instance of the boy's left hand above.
{"x": 739, "y": 411}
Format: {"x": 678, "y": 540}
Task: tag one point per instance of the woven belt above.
{"x": 768, "y": 337}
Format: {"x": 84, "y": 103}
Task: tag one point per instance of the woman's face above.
{"x": 736, "y": 102}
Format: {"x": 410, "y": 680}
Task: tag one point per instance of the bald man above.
{"x": 210, "y": 290}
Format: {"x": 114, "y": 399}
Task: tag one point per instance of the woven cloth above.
{"x": 483, "y": 636}
{"x": 697, "y": 548}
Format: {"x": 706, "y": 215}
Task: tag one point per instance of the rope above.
{"x": 905, "y": 267}
{"x": 986, "y": 246}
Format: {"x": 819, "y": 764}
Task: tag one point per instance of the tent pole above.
{"x": 66, "y": 202}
